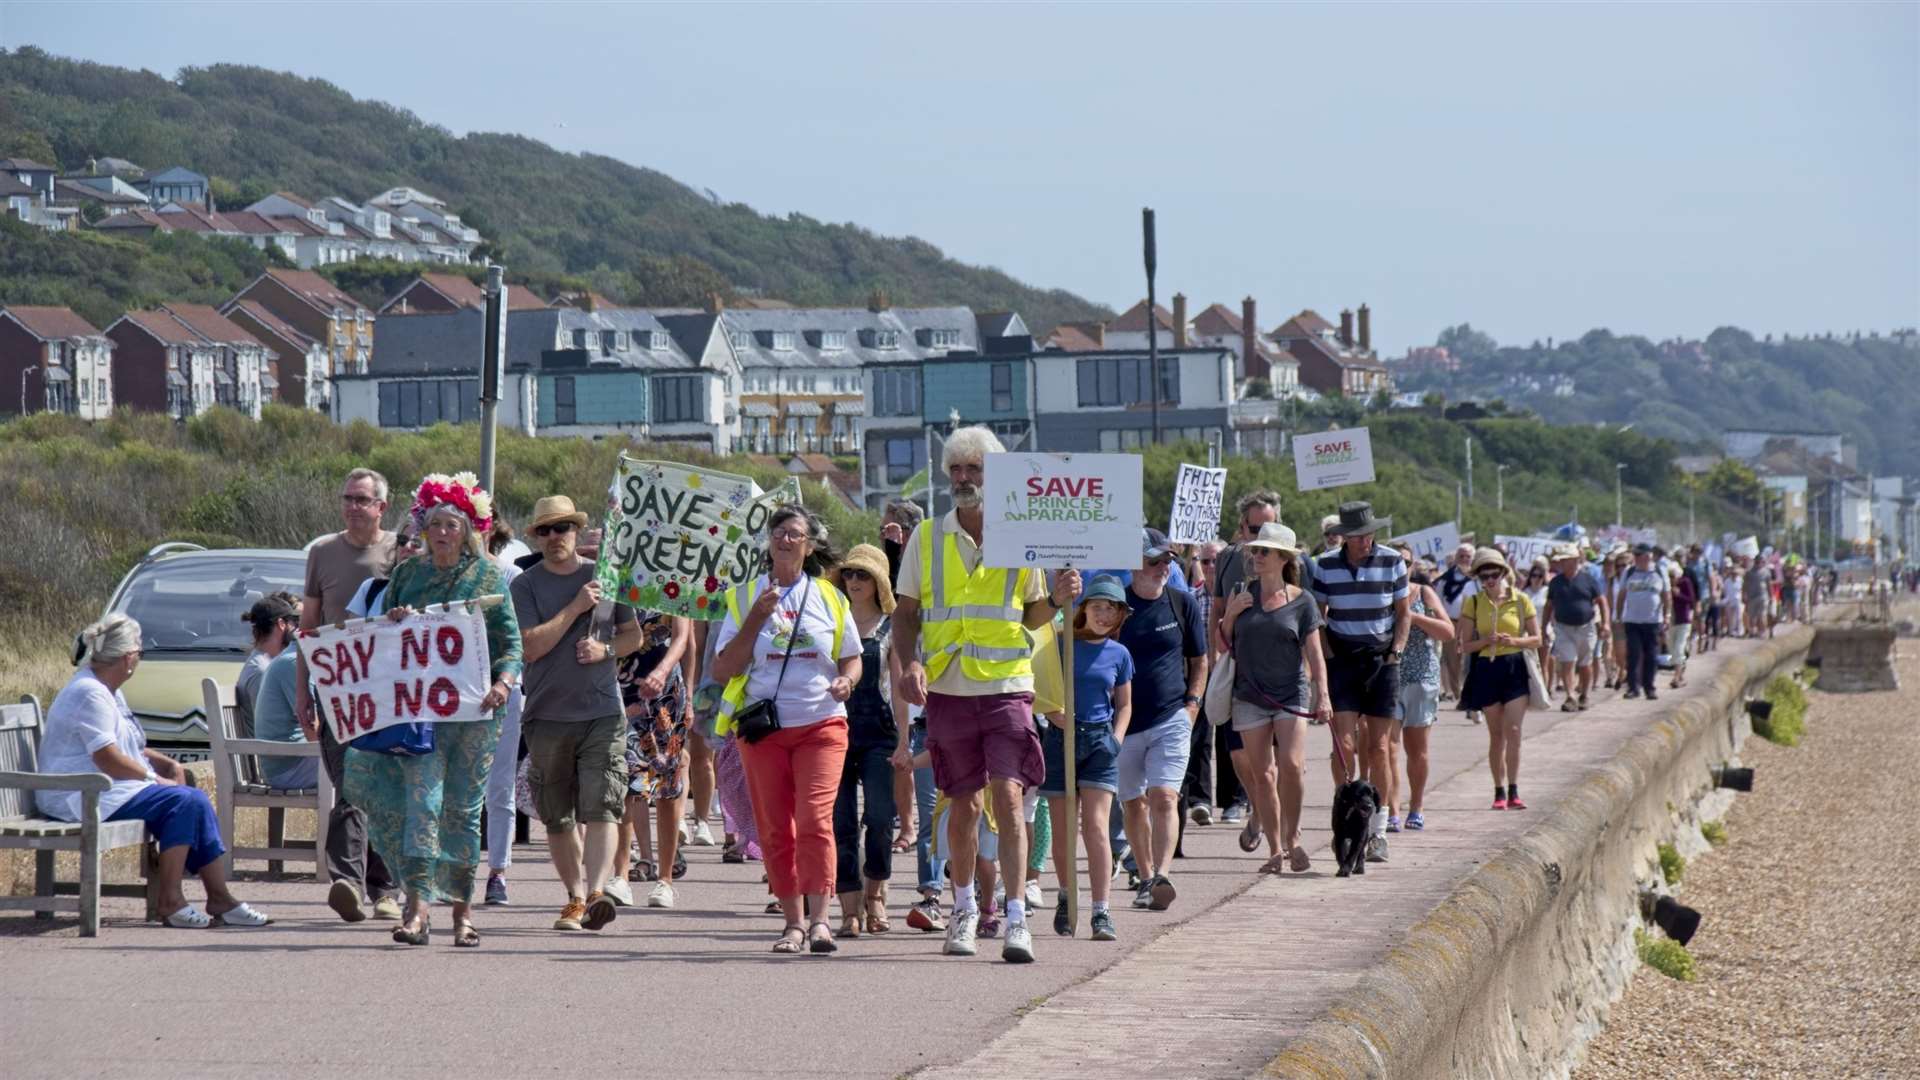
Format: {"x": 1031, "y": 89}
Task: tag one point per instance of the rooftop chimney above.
{"x": 1100, "y": 334}
{"x": 877, "y": 301}
{"x": 1346, "y": 327}
{"x": 715, "y": 305}
{"x": 1252, "y": 365}
{"x": 1179, "y": 320}
{"x": 1366, "y": 329}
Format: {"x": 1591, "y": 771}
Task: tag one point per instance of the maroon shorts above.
{"x": 974, "y": 738}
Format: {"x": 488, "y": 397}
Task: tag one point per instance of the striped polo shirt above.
{"x": 1359, "y": 599}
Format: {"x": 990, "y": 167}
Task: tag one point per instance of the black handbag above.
{"x": 758, "y": 719}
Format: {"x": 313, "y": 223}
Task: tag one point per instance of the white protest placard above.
{"x": 370, "y": 674}
{"x": 1198, "y": 495}
{"x": 1522, "y": 550}
{"x": 1330, "y": 459}
{"x": 1435, "y": 542}
{"x": 1052, "y": 511}
{"x": 679, "y": 537}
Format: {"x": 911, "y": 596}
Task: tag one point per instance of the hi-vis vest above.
{"x": 978, "y": 617}
{"x": 735, "y": 695}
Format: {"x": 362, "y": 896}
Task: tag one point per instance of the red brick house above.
{"x": 312, "y": 305}
{"x": 454, "y": 292}
{"x": 52, "y": 360}
{"x": 298, "y": 368}
{"x": 1334, "y": 360}
{"x": 162, "y": 365}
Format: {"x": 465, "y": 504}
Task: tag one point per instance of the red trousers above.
{"x": 794, "y": 776}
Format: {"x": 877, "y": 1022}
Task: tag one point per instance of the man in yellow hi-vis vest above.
{"x": 962, "y": 628}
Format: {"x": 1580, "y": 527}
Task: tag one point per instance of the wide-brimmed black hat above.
{"x": 1356, "y": 519}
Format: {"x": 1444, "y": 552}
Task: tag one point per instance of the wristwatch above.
{"x": 1191, "y": 700}
{"x": 1396, "y": 654}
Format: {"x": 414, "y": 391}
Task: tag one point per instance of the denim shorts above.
{"x": 1095, "y": 756}
{"x": 1156, "y": 757}
{"x": 1419, "y": 703}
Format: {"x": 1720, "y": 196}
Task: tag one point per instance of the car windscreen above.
{"x": 189, "y": 604}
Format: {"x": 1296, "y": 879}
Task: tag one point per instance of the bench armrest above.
{"x": 27, "y": 781}
{"x": 271, "y": 748}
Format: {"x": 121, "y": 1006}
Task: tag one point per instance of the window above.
{"x": 896, "y": 392}
{"x": 611, "y": 341}
{"x": 833, "y": 340}
{"x": 1124, "y": 381}
{"x": 102, "y": 397}
{"x": 1116, "y": 439}
{"x": 1003, "y": 388}
{"x": 563, "y": 399}
{"x": 880, "y": 339}
{"x": 740, "y": 339}
{"x": 939, "y": 339}
{"x": 678, "y": 398}
{"x": 85, "y": 388}
{"x": 783, "y": 341}
{"x": 579, "y": 339}
{"x": 842, "y": 432}
{"x": 409, "y": 404}
{"x": 660, "y": 341}
{"x": 903, "y": 459}
{"x": 429, "y": 403}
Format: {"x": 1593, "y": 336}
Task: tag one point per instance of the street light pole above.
{"x": 1153, "y": 327}
{"x": 1469, "y": 466}
{"x": 1499, "y": 487}
{"x": 1619, "y": 515}
{"x": 24, "y": 372}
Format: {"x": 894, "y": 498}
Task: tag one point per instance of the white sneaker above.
{"x": 961, "y": 932}
{"x": 661, "y": 896}
{"x": 1035, "y": 898}
{"x": 702, "y": 835}
{"x": 619, "y": 892}
{"x": 683, "y": 834}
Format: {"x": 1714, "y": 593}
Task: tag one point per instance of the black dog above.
{"x": 1353, "y": 808}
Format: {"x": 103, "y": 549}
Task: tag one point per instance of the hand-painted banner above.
{"x": 678, "y": 537}
{"x": 373, "y": 673}
{"x": 1198, "y": 494}
{"x": 1435, "y": 542}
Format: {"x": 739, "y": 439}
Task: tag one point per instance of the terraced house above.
{"x": 312, "y": 305}
{"x": 52, "y": 360}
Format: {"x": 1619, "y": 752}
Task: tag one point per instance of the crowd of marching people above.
{"x": 856, "y": 705}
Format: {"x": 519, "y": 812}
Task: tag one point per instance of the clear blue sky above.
{"x": 1538, "y": 170}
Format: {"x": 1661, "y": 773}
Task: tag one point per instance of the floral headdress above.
{"x": 461, "y": 491}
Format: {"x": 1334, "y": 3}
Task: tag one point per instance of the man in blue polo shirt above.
{"x": 1362, "y": 589}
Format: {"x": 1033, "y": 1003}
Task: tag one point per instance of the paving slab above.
{"x": 1210, "y": 988}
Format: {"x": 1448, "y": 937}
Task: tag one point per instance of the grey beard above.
{"x": 966, "y": 498}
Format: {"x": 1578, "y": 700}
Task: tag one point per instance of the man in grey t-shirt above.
{"x": 572, "y": 720}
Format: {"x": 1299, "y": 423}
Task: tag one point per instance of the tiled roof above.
{"x": 294, "y": 199}
{"x": 49, "y": 323}
{"x": 1071, "y": 338}
{"x": 71, "y": 190}
{"x": 1134, "y": 319}
{"x": 20, "y": 164}
{"x": 253, "y": 224}
{"x": 1217, "y": 320}
{"x": 461, "y": 290}
{"x": 315, "y": 289}
{"x": 10, "y": 186}
{"x": 138, "y": 218}
{"x": 210, "y": 324}
{"x": 1306, "y": 324}
{"x": 271, "y": 323}
{"x": 164, "y": 327}
{"x": 298, "y": 226}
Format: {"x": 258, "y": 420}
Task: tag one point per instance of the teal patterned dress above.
{"x": 423, "y": 813}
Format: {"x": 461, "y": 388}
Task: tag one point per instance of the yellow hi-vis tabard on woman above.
{"x": 735, "y": 695}
{"x": 976, "y": 618}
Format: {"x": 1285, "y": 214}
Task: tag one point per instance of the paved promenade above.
{"x": 1210, "y": 988}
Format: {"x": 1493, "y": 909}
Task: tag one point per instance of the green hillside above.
{"x": 634, "y": 234}
{"x": 1861, "y": 386}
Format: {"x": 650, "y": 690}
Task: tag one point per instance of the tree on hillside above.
{"x": 1467, "y": 343}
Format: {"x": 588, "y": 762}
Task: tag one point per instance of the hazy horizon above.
{"x": 1683, "y": 168}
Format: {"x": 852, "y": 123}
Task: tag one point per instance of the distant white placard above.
{"x": 1198, "y": 495}
{"x": 1522, "y": 550}
{"x": 1331, "y": 459}
{"x": 1436, "y": 543}
{"x": 1052, "y": 511}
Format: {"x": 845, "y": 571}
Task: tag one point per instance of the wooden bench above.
{"x": 21, "y": 826}
{"x": 240, "y": 782}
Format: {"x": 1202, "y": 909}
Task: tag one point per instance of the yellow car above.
{"x": 191, "y": 604}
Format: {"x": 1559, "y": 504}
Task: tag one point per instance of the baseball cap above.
{"x": 1153, "y": 543}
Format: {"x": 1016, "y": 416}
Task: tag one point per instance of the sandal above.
{"x": 189, "y": 918}
{"x": 1250, "y": 835}
{"x": 850, "y": 925}
{"x": 774, "y": 908}
{"x": 1298, "y": 859}
{"x": 791, "y": 939}
{"x": 465, "y": 936}
{"x": 905, "y": 842}
{"x": 820, "y": 940}
{"x": 877, "y": 921}
{"x": 404, "y": 936}
{"x": 242, "y": 916}
{"x": 643, "y": 870}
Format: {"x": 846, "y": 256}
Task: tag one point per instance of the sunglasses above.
{"x": 358, "y": 500}
{"x": 851, "y": 574}
{"x": 1161, "y": 561}
{"x": 1206, "y": 562}
{"x": 558, "y": 528}
{"x": 1491, "y": 575}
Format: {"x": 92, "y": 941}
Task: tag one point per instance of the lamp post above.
{"x": 1500, "y": 487}
{"x": 1619, "y": 515}
{"x": 1153, "y": 326}
{"x": 1469, "y": 467}
{"x": 24, "y": 372}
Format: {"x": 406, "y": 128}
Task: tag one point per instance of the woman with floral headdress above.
{"x": 424, "y": 811}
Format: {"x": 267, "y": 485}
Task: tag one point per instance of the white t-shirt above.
{"x": 1640, "y": 596}
{"x": 802, "y": 695}
{"x": 84, "y": 717}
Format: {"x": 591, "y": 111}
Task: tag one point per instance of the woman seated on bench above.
{"x": 91, "y": 729}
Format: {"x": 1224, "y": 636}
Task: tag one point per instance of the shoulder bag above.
{"x": 758, "y": 719}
